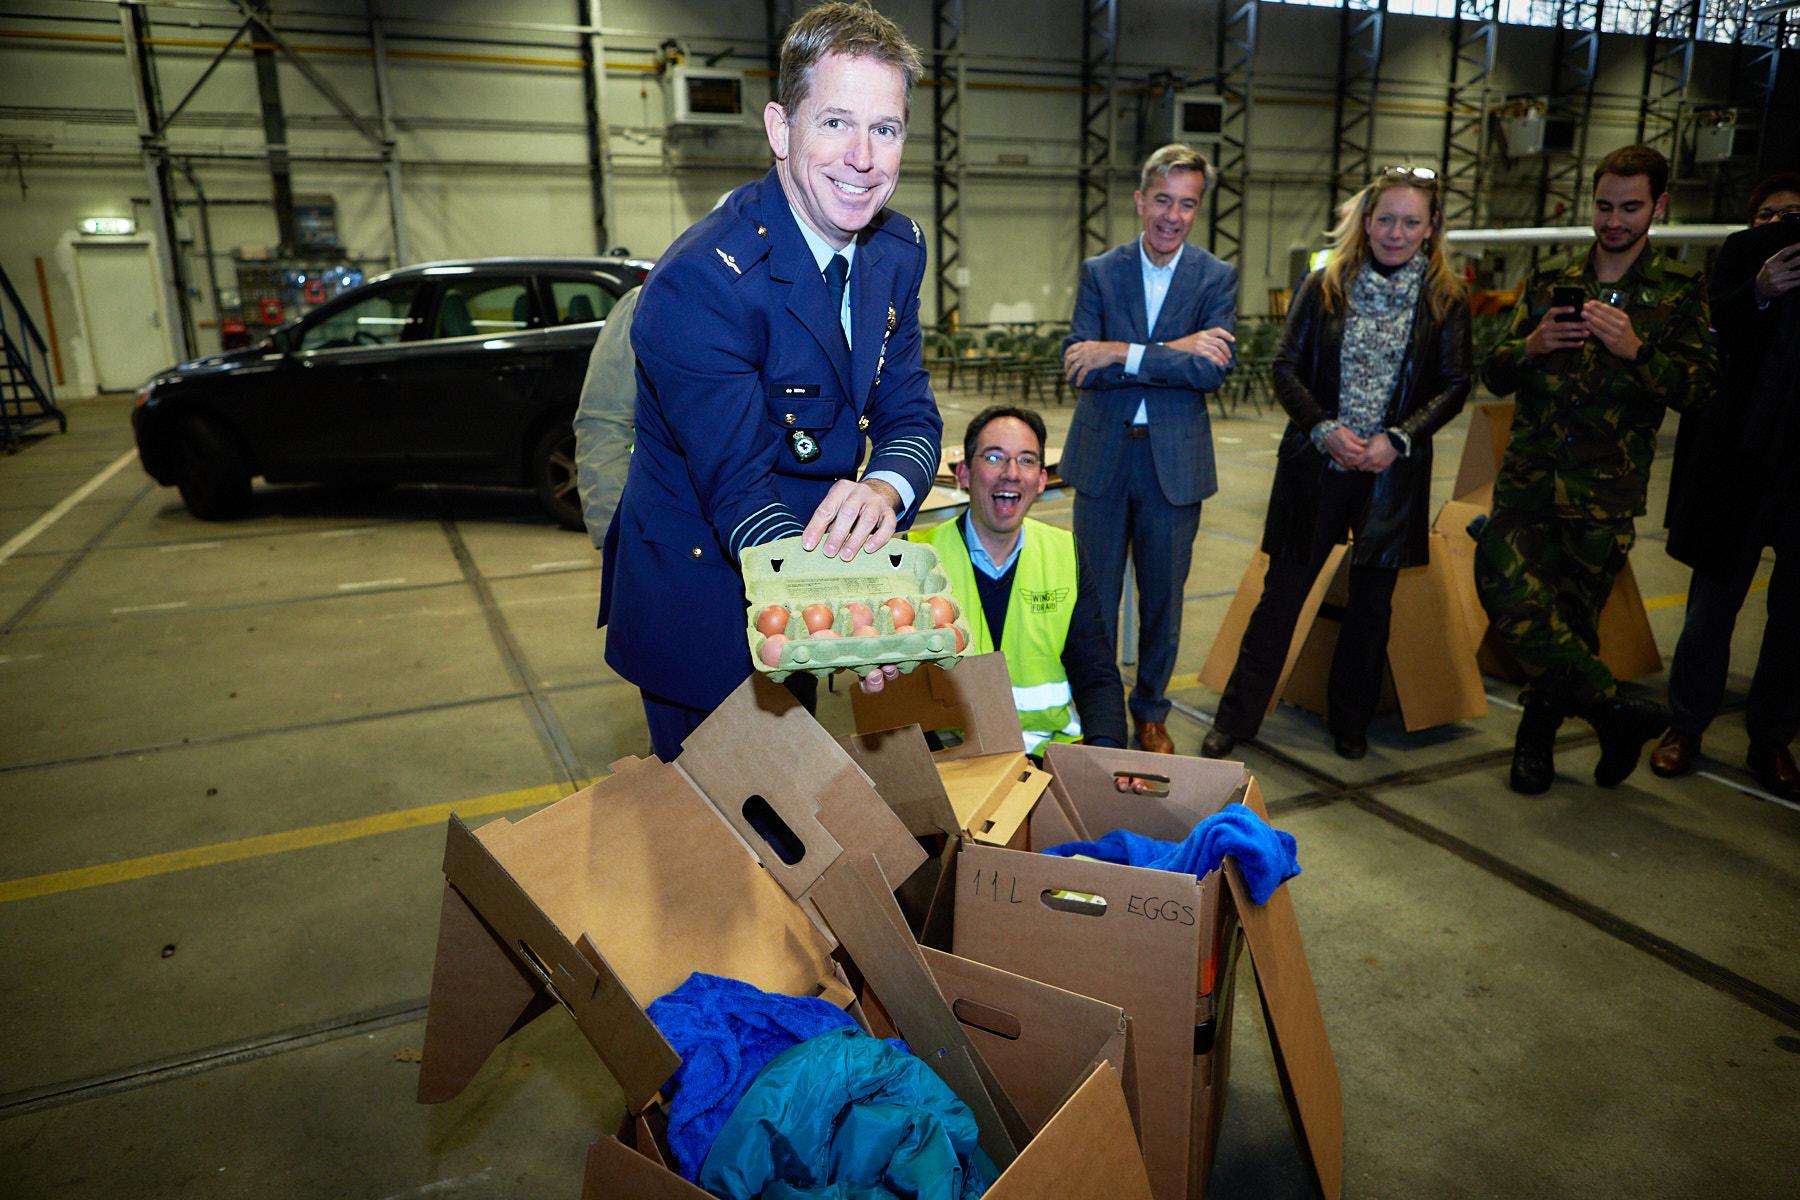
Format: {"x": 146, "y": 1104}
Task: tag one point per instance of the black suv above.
{"x": 447, "y": 372}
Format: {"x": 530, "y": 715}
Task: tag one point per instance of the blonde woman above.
{"x": 1375, "y": 359}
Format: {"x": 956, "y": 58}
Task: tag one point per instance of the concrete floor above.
{"x": 230, "y": 749}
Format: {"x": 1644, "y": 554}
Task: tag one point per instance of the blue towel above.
{"x": 1265, "y": 854}
{"x": 726, "y": 1032}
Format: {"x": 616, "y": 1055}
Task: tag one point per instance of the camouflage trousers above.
{"x": 1543, "y": 579}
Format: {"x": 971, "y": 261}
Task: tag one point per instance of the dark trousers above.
{"x": 1361, "y": 656}
{"x": 1161, "y": 538}
{"x": 1703, "y": 654}
{"x": 671, "y": 721}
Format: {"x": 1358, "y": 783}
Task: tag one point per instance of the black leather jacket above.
{"x": 1434, "y": 380}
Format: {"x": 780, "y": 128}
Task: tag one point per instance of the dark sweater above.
{"x": 1087, "y": 655}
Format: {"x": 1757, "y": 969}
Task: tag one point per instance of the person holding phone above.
{"x": 1733, "y": 492}
{"x": 1593, "y": 379}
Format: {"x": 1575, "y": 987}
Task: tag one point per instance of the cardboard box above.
{"x": 1627, "y": 646}
{"x": 1160, "y": 946}
{"x": 1431, "y": 674}
{"x": 759, "y": 854}
{"x": 983, "y": 786}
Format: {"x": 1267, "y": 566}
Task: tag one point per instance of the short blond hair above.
{"x": 854, "y": 30}
{"x": 1176, "y": 156}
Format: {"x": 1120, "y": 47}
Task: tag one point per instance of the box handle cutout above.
{"x": 775, "y": 565}
{"x": 772, "y": 829}
{"x": 1160, "y": 782}
{"x": 894, "y": 559}
{"x": 1082, "y": 904}
{"x": 989, "y": 1020}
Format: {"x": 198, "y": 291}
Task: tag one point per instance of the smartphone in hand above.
{"x": 1566, "y": 296}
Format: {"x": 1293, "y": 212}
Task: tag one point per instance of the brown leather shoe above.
{"x": 1675, "y": 754}
{"x": 1774, "y": 768}
{"x": 1154, "y": 737}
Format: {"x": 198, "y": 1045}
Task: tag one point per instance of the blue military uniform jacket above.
{"x": 749, "y": 407}
{"x": 1109, "y": 306}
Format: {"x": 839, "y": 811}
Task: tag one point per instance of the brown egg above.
{"x": 772, "y": 620}
{"x": 860, "y": 616}
{"x": 865, "y": 631}
{"x": 905, "y": 629}
{"x": 900, "y": 609}
{"x": 961, "y": 641}
{"x": 825, "y": 633}
{"x": 942, "y": 611}
{"x": 770, "y": 650}
{"x": 817, "y": 617}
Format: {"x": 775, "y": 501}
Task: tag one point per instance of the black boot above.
{"x": 1625, "y": 725}
{"x": 1534, "y": 748}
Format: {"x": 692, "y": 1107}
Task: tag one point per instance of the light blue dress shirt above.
{"x": 822, "y": 252}
{"x": 982, "y": 560}
{"x": 1156, "y": 290}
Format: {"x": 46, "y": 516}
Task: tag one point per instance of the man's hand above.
{"x": 1083, "y": 358}
{"x": 1552, "y": 335}
{"x": 1378, "y": 454}
{"x": 853, "y": 517}
{"x": 1612, "y": 326}
{"x": 1213, "y": 344}
{"x": 1346, "y": 448}
{"x": 1780, "y": 275}
{"x": 877, "y": 679}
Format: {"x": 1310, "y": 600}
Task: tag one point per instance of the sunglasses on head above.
{"x": 1412, "y": 174}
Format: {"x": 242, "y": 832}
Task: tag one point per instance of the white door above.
{"x": 123, "y": 308}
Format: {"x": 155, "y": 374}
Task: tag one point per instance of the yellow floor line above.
{"x": 1679, "y": 599}
{"x": 101, "y": 874}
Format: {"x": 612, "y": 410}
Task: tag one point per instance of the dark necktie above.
{"x": 837, "y": 273}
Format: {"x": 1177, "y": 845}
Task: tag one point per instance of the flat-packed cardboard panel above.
{"x": 1141, "y": 951}
{"x": 1041, "y": 1042}
{"x": 1220, "y": 660}
{"x": 899, "y": 763}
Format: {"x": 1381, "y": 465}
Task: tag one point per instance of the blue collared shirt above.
{"x": 1156, "y": 290}
{"x": 822, "y": 252}
{"x": 982, "y": 560}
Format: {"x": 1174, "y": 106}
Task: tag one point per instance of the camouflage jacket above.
{"x": 1584, "y": 424}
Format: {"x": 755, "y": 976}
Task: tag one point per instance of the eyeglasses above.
{"x": 1027, "y": 461}
{"x": 1769, "y": 212}
{"x": 1419, "y": 174}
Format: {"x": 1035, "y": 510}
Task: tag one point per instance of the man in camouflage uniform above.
{"x": 1592, "y": 389}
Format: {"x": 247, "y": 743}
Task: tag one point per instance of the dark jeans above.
{"x": 1703, "y": 654}
{"x": 1361, "y": 655}
{"x": 670, "y": 721}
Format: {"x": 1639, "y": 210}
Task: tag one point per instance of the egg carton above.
{"x": 785, "y": 573}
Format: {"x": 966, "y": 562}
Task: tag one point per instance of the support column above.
{"x": 1099, "y": 122}
{"x": 146, "y": 94}
{"x": 274, "y": 122}
{"x": 947, "y": 65}
{"x": 1668, "y": 66}
{"x": 593, "y": 82}
{"x": 1474, "y": 35}
{"x": 1231, "y": 187}
{"x": 390, "y": 150}
{"x": 778, "y": 15}
{"x": 1360, "y": 27}
{"x": 1575, "y": 64}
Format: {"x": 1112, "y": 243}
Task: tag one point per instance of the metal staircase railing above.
{"x": 26, "y": 397}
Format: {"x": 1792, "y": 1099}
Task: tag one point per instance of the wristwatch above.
{"x": 1645, "y": 350}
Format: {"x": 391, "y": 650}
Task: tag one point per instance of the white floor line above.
{"x": 138, "y": 608}
{"x": 1745, "y": 788}
{"x": 561, "y": 562}
{"x": 183, "y": 547}
{"x": 368, "y": 583}
{"x": 1493, "y": 699}
{"x": 24, "y": 536}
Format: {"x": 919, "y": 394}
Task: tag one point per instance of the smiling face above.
{"x": 838, "y": 158}
{"x": 1001, "y": 494}
{"x": 1168, "y": 209}
{"x": 1398, "y": 224}
{"x": 1623, "y": 210}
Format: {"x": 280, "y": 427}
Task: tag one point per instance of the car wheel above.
{"x": 553, "y": 476}
{"x": 211, "y": 473}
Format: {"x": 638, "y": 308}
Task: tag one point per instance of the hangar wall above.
{"x": 489, "y": 110}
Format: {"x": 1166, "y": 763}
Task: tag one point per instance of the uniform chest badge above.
{"x": 727, "y": 260}
{"x": 804, "y": 446}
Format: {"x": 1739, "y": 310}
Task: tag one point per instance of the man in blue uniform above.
{"x": 773, "y": 337}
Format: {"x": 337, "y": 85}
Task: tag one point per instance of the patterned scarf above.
{"x": 1375, "y": 337}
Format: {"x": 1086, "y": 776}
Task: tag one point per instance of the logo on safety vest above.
{"x": 1045, "y": 601}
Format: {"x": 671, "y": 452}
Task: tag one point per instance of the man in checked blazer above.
{"x": 1151, "y": 336}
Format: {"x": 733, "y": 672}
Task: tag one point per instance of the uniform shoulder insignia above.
{"x": 918, "y": 239}
{"x": 740, "y": 248}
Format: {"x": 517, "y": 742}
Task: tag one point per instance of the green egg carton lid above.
{"x": 785, "y": 573}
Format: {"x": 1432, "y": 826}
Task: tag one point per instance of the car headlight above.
{"x": 143, "y": 396}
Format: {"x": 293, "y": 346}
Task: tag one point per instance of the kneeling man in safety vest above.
{"x": 1037, "y": 604}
